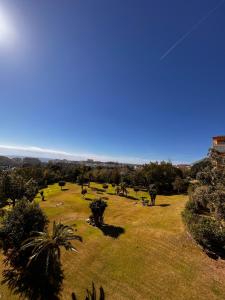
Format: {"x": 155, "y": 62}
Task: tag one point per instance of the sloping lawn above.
{"x": 143, "y": 253}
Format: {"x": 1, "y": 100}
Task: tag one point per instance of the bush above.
{"x": 206, "y": 230}
{"x": 84, "y": 192}
{"x": 62, "y": 183}
{"x": 18, "y": 225}
{"x": 97, "y": 208}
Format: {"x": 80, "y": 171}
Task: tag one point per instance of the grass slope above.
{"x": 153, "y": 259}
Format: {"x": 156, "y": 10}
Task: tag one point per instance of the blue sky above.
{"x": 93, "y": 78}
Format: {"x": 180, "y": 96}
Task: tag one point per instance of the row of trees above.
{"x": 166, "y": 177}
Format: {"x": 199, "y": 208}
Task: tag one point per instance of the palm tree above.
{"x": 152, "y": 190}
{"x": 123, "y": 188}
{"x": 48, "y": 246}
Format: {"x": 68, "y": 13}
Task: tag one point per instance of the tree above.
{"x": 31, "y": 189}
{"x": 117, "y": 190}
{"x": 136, "y": 189}
{"x": 153, "y": 193}
{"x": 97, "y": 208}
{"x": 13, "y": 187}
{"x": 180, "y": 185}
{"x": 204, "y": 213}
{"x": 32, "y": 254}
{"x": 62, "y": 184}
{"x": 18, "y": 225}
{"x": 123, "y": 189}
{"x": 105, "y": 186}
{"x": 48, "y": 246}
{"x": 84, "y": 192}
{"x": 42, "y": 195}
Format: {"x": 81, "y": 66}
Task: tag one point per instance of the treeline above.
{"x": 26, "y": 180}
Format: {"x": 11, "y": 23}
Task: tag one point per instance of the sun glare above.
{"x": 7, "y": 30}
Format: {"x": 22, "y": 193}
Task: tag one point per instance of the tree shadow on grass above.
{"x": 163, "y": 205}
{"x": 88, "y": 199}
{"x": 131, "y": 197}
{"x": 92, "y": 295}
{"x": 65, "y": 189}
{"x": 111, "y": 230}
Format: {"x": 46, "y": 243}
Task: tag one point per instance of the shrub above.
{"x": 84, "y": 192}
{"x": 18, "y": 225}
{"x": 97, "y": 208}
{"x": 62, "y": 183}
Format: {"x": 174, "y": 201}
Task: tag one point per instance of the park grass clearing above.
{"x": 152, "y": 258}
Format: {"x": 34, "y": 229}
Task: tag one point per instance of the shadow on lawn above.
{"x": 65, "y": 189}
{"x": 92, "y": 295}
{"x": 88, "y": 199}
{"x": 130, "y": 197}
{"x": 163, "y": 205}
{"x": 111, "y": 230}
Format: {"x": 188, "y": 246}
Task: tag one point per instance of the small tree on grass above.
{"x": 83, "y": 192}
{"x": 62, "y": 184}
{"x": 97, "y": 208}
{"x": 153, "y": 193}
{"x": 136, "y": 189}
{"x": 105, "y": 186}
{"x": 42, "y": 195}
{"x": 123, "y": 189}
{"x": 117, "y": 190}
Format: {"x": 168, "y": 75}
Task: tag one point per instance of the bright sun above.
{"x": 7, "y": 30}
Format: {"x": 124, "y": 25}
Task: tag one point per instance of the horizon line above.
{"x": 41, "y": 152}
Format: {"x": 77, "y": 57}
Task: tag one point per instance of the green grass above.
{"x": 153, "y": 259}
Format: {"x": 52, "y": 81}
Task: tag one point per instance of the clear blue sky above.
{"x": 91, "y": 77}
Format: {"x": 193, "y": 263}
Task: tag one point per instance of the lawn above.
{"x": 144, "y": 253}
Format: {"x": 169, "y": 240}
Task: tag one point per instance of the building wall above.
{"x": 219, "y": 144}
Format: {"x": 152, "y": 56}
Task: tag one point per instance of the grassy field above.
{"x": 144, "y": 253}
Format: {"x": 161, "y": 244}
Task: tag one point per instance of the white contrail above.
{"x": 193, "y": 28}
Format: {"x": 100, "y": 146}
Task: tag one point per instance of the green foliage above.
{"x": 62, "y": 184}
{"x": 152, "y": 190}
{"x": 19, "y": 223}
{"x": 162, "y": 175}
{"x": 84, "y": 192}
{"x": 204, "y": 213}
{"x": 123, "y": 189}
{"x": 47, "y": 246}
{"x": 180, "y": 185}
{"x": 199, "y": 166}
{"x": 12, "y": 187}
{"x": 33, "y": 266}
{"x": 97, "y": 208}
{"x": 31, "y": 189}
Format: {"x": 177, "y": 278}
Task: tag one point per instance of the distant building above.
{"x": 183, "y": 166}
{"x": 219, "y": 144}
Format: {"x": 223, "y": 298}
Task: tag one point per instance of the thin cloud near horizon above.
{"x": 34, "y": 151}
{"x": 58, "y": 154}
